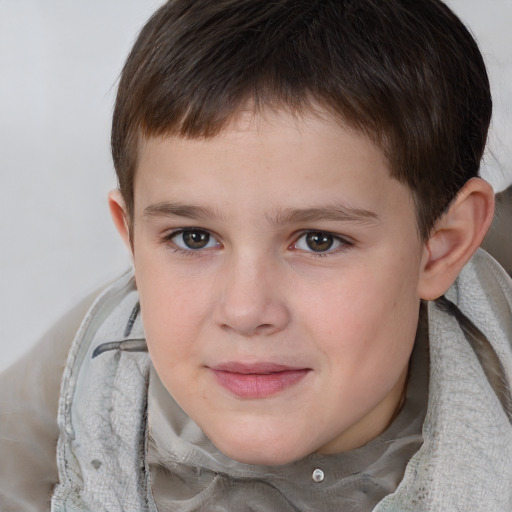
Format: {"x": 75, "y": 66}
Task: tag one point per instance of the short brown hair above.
{"x": 407, "y": 73}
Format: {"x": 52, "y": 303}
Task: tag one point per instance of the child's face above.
{"x": 278, "y": 267}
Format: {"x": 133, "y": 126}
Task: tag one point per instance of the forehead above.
{"x": 278, "y": 125}
{"x": 271, "y": 159}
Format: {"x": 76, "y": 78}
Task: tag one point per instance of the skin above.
{"x": 340, "y": 306}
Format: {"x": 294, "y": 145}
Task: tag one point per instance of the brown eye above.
{"x": 196, "y": 239}
{"x": 319, "y": 242}
{"x": 193, "y": 239}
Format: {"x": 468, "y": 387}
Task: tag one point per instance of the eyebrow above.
{"x": 175, "y": 209}
{"x": 336, "y": 213}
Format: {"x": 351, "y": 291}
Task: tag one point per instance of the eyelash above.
{"x": 344, "y": 244}
{"x": 168, "y": 240}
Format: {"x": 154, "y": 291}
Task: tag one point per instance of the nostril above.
{"x": 259, "y": 330}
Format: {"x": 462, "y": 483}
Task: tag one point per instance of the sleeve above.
{"x": 29, "y": 396}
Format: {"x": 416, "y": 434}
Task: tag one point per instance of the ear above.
{"x": 455, "y": 237}
{"x": 119, "y": 215}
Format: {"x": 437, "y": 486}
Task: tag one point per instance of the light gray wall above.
{"x": 491, "y": 23}
{"x": 59, "y": 61}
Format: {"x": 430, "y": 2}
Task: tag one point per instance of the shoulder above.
{"x": 29, "y": 395}
{"x": 484, "y": 283}
{"x": 102, "y": 407}
{"x": 483, "y": 292}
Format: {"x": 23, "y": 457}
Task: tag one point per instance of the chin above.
{"x": 258, "y": 452}
{"x": 259, "y": 458}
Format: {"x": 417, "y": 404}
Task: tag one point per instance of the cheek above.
{"x": 173, "y": 315}
{"x": 365, "y": 314}
{"x": 171, "y": 334}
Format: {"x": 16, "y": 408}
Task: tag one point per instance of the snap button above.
{"x": 318, "y": 476}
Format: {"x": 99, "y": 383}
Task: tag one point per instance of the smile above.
{"x": 258, "y": 380}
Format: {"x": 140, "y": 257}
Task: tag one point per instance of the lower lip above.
{"x": 257, "y": 385}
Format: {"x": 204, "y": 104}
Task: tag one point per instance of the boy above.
{"x": 297, "y": 180}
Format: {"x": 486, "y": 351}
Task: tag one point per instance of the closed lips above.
{"x": 257, "y": 380}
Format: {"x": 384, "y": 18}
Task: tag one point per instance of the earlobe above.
{"x": 455, "y": 237}
{"x": 119, "y": 216}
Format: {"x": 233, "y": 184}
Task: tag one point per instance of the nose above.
{"x": 251, "y": 302}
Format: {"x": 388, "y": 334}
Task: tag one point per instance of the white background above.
{"x": 59, "y": 61}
